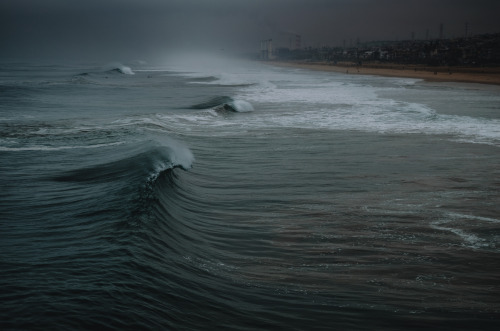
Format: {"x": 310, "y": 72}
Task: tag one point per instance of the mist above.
{"x": 132, "y": 29}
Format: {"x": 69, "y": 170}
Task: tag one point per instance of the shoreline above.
{"x": 486, "y": 75}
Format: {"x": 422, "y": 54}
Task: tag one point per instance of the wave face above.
{"x": 255, "y": 198}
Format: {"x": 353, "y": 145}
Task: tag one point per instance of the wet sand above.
{"x": 483, "y": 75}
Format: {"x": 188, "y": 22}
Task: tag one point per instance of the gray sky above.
{"x": 92, "y": 27}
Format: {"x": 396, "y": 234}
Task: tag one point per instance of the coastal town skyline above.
{"x": 131, "y": 27}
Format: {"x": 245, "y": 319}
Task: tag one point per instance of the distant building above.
{"x": 478, "y": 50}
{"x": 266, "y": 49}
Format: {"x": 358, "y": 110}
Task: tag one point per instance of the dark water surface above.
{"x": 240, "y": 196}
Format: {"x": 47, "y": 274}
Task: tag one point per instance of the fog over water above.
{"x": 83, "y": 28}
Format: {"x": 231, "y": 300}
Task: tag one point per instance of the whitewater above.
{"x": 212, "y": 193}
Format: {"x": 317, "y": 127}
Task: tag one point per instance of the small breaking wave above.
{"x": 225, "y": 104}
{"x": 119, "y": 68}
{"x": 109, "y": 69}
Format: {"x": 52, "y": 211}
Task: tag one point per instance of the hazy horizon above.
{"x": 129, "y": 28}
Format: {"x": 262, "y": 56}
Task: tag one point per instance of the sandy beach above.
{"x": 484, "y": 75}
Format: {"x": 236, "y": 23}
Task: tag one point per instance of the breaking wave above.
{"x": 150, "y": 163}
{"x": 119, "y": 68}
{"x": 109, "y": 69}
{"x": 225, "y": 104}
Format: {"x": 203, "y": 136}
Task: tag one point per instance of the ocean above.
{"x": 224, "y": 194}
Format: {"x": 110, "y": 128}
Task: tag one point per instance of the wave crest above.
{"x": 144, "y": 161}
{"x": 240, "y": 106}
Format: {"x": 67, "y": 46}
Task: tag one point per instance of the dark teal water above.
{"x": 241, "y": 196}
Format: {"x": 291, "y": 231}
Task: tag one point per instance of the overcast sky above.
{"x": 133, "y": 26}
